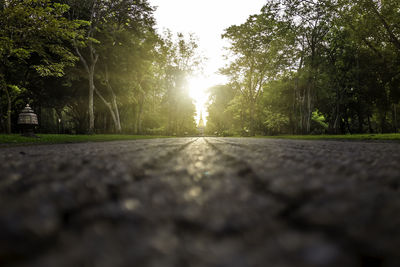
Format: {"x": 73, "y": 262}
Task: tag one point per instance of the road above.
{"x": 201, "y": 202}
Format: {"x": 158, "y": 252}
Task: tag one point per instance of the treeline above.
{"x": 318, "y": 66}
{"x": 90, "y": 66}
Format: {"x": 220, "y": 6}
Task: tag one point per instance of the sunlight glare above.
{"x": 198, "y": 92}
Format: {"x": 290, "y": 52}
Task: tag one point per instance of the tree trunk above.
{"x": 114, "y": 106}
{"x": 251, "y": 126}
{"x": 347, "y": 124}
{"x": 336, "y": 122}
{"x": 383, "y": 121}
{"x": 369, "y": 123}
{"x": 309, "y": 110}
{"x": 140, "y": 116}
{"x": 8, "y": 110}
{"x": 118, "y": 127}
{"x": 110, "y": 108}
{"x": 337, "y": 110}
{"x": 91, "y": 105}
{"x": 90, "y": 72}
{"x": 137, "y": 120}
{"x": 136, "y": 125}
{"x": 395, "y": 117}
{"x": 297, "y": 97}
{"x": 310, "y": 90}
{"x": 360, "y": 122}
{"x": 293, "y": 117}
{"x": 301, "y": 111}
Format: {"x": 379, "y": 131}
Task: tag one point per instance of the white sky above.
{"x": 207, "y": 19}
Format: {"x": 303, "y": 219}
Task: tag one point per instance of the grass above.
{"x": 15, "y": 139}
{"x": 359, "y": 137}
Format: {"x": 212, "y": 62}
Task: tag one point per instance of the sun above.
{"x": 198, "y": 92}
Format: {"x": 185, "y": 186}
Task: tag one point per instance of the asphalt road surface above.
{"x": 192, "y": 202}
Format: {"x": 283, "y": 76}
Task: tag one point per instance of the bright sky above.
{"x": 207, "y": 19}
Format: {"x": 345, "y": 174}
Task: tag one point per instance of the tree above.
{"x": 111, "y": 24}
{"x": 310, "y": 22}
{"x": 257, "y": 47}
{"x": 323, "y": 65}
{"x": 33, "y": 37}
{"x": 180, "y": 59}
{"x": 374, "y": 25}
{"x": 128, "y": 39}
{"x": 219, "y": 119}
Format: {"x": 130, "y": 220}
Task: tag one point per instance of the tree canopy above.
{"x": 300, "y": 67}
{"x": 323, "y": 66}
{"x": 94, "y": 66}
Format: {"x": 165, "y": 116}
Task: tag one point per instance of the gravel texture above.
{"x": 195, "y": 202}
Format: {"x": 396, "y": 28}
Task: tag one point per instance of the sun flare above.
{"x": 198, "y": 92}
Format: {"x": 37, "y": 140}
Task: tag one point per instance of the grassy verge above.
{"x": 382, "y": 137}
{"x": 15, "y": 139}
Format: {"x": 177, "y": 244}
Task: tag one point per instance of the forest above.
{"x": 94, "y": 66}
{"x": 311, "y": 67}
{"x": 296, "y": 67}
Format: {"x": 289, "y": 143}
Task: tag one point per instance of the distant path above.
{"x": 201, "y": 202}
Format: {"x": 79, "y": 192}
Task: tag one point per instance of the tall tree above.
{"x": 254, "y": 45}
{"x": 180, "y": 60}
{"x": 108, "y": 23}
{"x": 310, "y": 21}
{"x": 219, "y": 118}
{"x": 33, "y": 36}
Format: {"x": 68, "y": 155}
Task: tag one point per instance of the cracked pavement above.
{"x": 201, "y": 202}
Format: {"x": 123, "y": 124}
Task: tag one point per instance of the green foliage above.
{"x": 37, "y": 29}
{"x": 319, "y": 118}
{"x": 219, "y": 120}
{"x": 255, "y": 45}
{"x": 34, "y": 37}
{"x": 54, "y": 48}
{"x": 318, "y": 125}
{"x": 297, "y": 67}
{"x": 275, "y": 122}
{"x": 15, "y": 90}
{"x": 178, "y": 59}
{"x": 315, "y": 67}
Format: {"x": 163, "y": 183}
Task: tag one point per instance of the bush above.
{"x": 227, "y": 133}
{"x": 318, "y": 124}
{"x": 156, "y": 131}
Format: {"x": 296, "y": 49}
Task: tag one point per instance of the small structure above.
{"x": 200, "y": 126}
{"x": 28, "y": 120}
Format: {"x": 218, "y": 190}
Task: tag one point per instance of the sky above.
{"x": 207, "y": 19}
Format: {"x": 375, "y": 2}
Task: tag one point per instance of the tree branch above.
{"x": 81, "y": 57}
{"x": 392, "y": 37}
